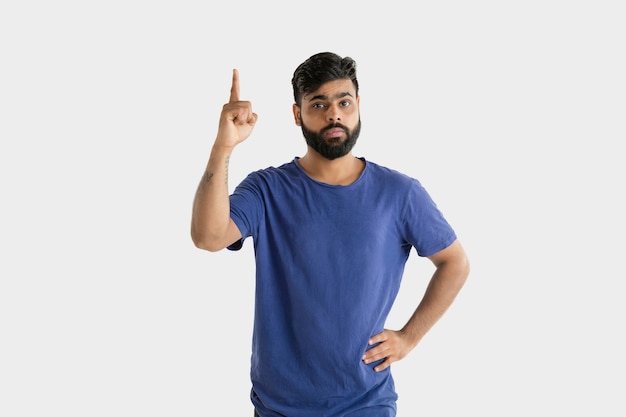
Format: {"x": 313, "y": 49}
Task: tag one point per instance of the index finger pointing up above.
{"x": 234, "y": 89}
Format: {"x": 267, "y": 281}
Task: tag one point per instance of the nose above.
{"x": 333, "y": 114}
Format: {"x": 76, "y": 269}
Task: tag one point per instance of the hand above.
{"x": 392, "y": 346}
{"x": 237, "y": 119}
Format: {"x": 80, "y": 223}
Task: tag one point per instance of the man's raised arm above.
{"x": 211, "y": 226}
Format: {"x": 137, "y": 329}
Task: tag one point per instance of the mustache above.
{"x": 334, "y": 125}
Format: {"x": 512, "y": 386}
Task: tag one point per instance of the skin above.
{"x": 333, "y": 103}
{"x": 212, "y": 228}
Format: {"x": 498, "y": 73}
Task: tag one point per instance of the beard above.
{"x": 335, "y": 147}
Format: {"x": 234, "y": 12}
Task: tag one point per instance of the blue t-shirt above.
{"x": 329, "y": 261}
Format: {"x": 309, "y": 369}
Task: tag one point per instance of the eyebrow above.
{"x": 325, "y": 97}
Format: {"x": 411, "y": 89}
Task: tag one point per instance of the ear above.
{"x": 296, "y": 114}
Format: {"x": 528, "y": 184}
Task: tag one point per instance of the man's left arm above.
{"x": 451, "y": 271}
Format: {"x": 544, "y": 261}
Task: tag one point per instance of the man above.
{"x": 332, "y": 233}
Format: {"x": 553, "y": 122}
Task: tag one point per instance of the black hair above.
{"x": 319, "y": 69}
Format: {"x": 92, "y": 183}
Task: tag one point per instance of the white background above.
{"x": 512, "y": 114}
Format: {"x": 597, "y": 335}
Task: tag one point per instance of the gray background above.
{"x": 510, "y": 113}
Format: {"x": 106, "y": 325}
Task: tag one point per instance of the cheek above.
{"x": 309, "y": 120}
{"x": 354, "y": 112}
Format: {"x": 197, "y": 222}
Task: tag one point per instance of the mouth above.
{"x": 335, "y": 132}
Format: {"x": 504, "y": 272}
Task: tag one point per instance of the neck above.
{"x": 340, "y": 171}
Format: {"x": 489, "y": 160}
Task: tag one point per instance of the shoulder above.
{"x": 272, "y": 175}
{"x": 389, "y": 175}
{"x": 288, "y": 168}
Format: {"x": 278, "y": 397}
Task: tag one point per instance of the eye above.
{"x": 346, "y": 103}
{"x": 318, "y": 105}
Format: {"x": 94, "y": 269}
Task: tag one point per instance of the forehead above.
{"x": 332, "y": 90}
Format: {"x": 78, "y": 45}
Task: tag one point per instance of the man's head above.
{"x": 326, "y": 106}
{"x": 319, "y": 69}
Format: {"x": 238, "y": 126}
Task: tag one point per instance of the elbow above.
{"x": 461, "y": 262}
{"x": 463, "y": 268}
{"x": 465, "y": 265}
{"x": 466, "y": 271}
{"x": 463, "y": 271}
{"x": 205, "y": 243}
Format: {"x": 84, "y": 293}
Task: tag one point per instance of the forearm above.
{"x": 445, "y": 284}
{"x": 211, "y": 207}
